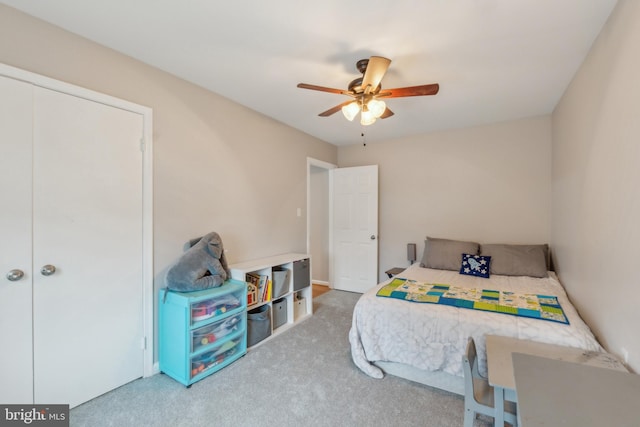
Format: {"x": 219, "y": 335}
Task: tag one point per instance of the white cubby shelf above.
{"x": 292, "y": 305}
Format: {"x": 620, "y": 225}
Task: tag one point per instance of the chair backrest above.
{"x": 470, "y": 366}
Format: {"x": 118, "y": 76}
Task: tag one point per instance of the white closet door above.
{"x": 15, "y": 241}
{"x": 87, "y": 223}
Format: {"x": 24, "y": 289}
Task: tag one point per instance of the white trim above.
{"x": 328, "y": 166}
{"x": 330, "y": 231}
{"x": 147, "y": 242}
{"x": 320, "y": 282}
{"x": 60, "y": 86}
{"x": 320, "y": 163}
{"x": 147, "y": 186}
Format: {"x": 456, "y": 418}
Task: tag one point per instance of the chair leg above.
{"x": 469, "y": 416}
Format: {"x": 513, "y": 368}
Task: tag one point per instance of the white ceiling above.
{"x": 495, "y": 60}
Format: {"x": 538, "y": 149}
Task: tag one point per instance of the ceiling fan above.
{"x": 367, "y": 92}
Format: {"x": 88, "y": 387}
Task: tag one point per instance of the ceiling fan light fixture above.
{"x": 376, "y": 107}
{"x": 351, "y": 110}
{"x": 367, "y": 118}
{"x": 367, "y": 89}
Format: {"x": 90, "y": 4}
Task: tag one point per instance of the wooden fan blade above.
{"x": 400, "y": 92}
{"x": 324, "y": 89}
{"x": 335, "y": 109}
{"x": 387, "y": 113}
{"x": 376, "y": 69}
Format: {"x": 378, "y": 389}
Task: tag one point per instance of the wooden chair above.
{"x": 478, "y": 394}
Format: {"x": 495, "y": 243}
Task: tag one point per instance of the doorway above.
{"x": 318, "y": 242}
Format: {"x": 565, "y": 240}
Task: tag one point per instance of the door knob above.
{"x": 48, "y": 270}
{"x": 15, "y": 275}
{"x": 373, "y": 237}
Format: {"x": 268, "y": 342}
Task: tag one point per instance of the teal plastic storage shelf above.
{"x": 201, "y": 332}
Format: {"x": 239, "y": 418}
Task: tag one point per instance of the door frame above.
{"x": 146, "y": 147}
{"x": 328, "y": 167}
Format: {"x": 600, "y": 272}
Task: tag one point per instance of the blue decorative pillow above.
{"x": 475, "y": 265}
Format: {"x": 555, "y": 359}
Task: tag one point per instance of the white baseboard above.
{"x": 156, "y": 368}
{"x": 319, "y": 282}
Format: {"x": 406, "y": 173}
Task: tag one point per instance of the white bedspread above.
{"x": 433, "y": 337}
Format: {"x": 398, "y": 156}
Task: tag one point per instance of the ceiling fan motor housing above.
{"x": 356, "y": 88}
{"x": 361, "y": 65}
{"x": 356, "y": 85}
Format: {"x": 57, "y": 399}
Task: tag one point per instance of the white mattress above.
{"x": 433, "y": 337}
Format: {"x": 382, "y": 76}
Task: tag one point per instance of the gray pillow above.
{"x": 445, "y": 254}
{"x": 518, "y": 260}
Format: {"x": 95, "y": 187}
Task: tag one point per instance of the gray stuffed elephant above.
{"x": 202, "y": 266}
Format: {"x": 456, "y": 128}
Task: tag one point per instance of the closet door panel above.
{"x": 16, "y": 377}
{"x": 88, "y": 324}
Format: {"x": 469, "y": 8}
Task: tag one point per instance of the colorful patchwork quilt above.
{"x": 535, "y": 306}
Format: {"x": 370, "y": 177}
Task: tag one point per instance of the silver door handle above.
{"x": 48, "y": 270}
{"x": 15, "y": 275}
{"x": 373, "y": 237}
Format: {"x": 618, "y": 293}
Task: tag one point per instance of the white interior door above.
{"x": 354, "y": 228}
{"x": 87, "y": 223}
{"x": 15, "y": 244}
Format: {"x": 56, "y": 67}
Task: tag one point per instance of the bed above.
{"x": 425, "y": 342}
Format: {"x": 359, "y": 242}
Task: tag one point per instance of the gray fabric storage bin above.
{"x": 301, "y": 274}
{"x": 280, "y": 282}
{"x": 258, "y": 324}
{"x": 279, "y": 312}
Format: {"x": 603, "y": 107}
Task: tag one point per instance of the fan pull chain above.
{"x": 364, "y": 139}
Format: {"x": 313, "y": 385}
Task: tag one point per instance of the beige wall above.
{"x": 489, "y": 183}
{"x": 218, "y": 166}
{"x": 596, "y": 184}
